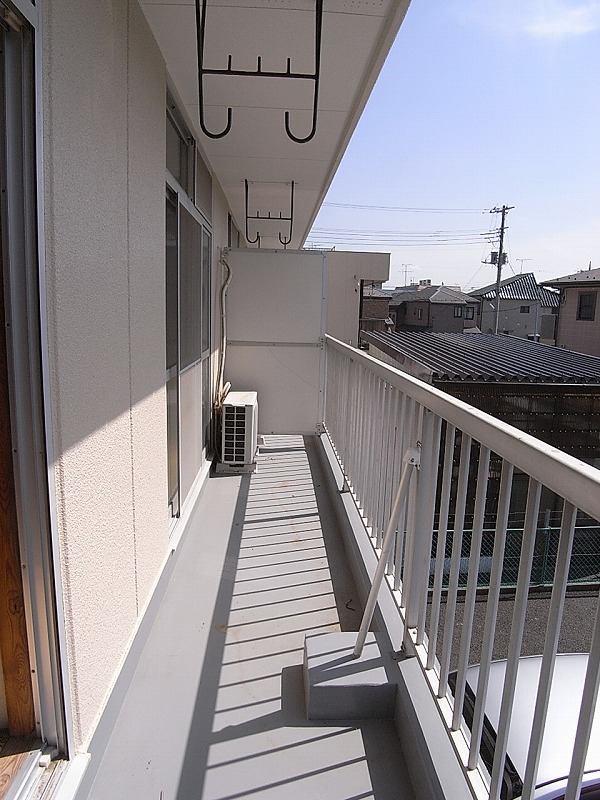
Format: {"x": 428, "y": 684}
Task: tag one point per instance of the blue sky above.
{"x": 480, "y": 103}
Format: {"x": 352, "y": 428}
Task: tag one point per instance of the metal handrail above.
{"x": 373, "y": 414}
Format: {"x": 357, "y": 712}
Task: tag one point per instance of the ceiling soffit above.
{"x": 279, "y": 36}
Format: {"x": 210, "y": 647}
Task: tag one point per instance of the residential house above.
{"x": 434, "y": 308}
{"x": 578, "y": 321}
{"x": 161, "y": 166}
{"x": 526, "y": 310}
{"x": 375, "y": 312}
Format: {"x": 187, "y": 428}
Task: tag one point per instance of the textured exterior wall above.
{"x": 577, "y": 334}
{"x": 104, "y": 150}
{"x": 409, "y": 314}
{"x": 345, "y": 271}
{"x": 443, "y": 319}
{"x": 375, "y": 308}
{"x": 512, "y": 320}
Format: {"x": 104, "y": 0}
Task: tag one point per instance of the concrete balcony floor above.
{"x": 215, "y": 707}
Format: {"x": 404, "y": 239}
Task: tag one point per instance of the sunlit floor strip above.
{"x": 264, "y": 747}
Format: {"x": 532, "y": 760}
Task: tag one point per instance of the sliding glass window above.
{"x": 188, "y": 376}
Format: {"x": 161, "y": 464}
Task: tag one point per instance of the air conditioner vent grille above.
{"x": 240, "y": 428}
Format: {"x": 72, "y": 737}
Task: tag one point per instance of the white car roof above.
{"x": 563, "y": 713}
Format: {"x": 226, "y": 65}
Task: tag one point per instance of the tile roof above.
{"x": 435, "y": 294}
{"x": 517, "y": 287}
{"x": 548, "y": 297}
{"x": 488, "y": 357}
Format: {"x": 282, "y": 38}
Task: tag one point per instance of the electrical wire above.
{"x": 410, "y": 210}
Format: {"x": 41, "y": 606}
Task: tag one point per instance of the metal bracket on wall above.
{"x": 311, "y": 77}
{"x": 285, "y": 240}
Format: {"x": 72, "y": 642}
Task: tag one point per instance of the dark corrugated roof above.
{"x": 489, "y": 357}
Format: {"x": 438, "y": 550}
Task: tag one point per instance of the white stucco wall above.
{"x": 104, "y": 151}
{"x": 346, "y": 270}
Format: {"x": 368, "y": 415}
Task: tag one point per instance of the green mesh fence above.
{"x": 585, "y": 559}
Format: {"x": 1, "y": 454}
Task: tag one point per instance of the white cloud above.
{"x": 552, "y": 19}
{"x": 556, "y": 19}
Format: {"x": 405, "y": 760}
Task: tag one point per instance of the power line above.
{"x": 403, "y": 239}
{"x": 454, "y": 231}
{"x": 315, "y": 242}
{"x": 410, "y": 210}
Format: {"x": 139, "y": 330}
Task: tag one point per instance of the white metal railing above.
{"x": 470, "y": 464}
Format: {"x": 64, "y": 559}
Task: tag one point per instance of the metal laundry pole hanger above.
{"x": 285, "y": 240}
{"x": 312, "y": 77}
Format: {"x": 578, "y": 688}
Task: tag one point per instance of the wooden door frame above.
{"x": 14, "y": 648}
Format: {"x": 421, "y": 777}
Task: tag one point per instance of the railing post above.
{"x": 422, "y": 532}
{"x": 411, "y": 459}
{"x": 546, "y": 553}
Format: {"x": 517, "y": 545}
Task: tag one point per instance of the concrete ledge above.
{"x": 432, "y": 762}
{"x": 339, "y": 686}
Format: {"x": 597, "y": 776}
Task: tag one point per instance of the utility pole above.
{"x": 406, "y": 266}
{"x": 503, "y": 211}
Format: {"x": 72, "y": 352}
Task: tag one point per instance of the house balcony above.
{"x": 212, "y": 702}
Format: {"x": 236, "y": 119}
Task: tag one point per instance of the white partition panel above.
{"x": 275, "y": 326}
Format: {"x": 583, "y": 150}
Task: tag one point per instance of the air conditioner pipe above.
{"x": 220, "y": 390}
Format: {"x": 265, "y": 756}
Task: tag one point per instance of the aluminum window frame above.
{"x": 185, "y": 202}
{"x": 586, "y": 311}
{"x": 28, "y": 353}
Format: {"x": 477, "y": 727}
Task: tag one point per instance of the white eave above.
{"x": 356, "y": 38}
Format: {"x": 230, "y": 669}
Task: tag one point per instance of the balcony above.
{"x": 212, "y": 701}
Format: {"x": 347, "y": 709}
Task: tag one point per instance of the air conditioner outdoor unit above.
{"x": 239, "y": 427}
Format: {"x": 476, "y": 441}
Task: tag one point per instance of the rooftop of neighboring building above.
{"x": 434, "y": 294}
{"x": 488, "y": 357}
{"x": 374, "y": 291}
{"x": 582, "y": 278}
{"x": 520, "y": 287}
